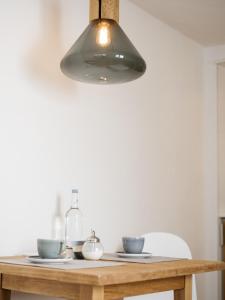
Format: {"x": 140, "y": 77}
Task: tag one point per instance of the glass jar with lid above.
{"x": 92, "y": 248}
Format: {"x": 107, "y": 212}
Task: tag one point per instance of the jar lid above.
{"x": 93, "y": 238}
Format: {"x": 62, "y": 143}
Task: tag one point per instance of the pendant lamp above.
{"x": 103, "y": 54}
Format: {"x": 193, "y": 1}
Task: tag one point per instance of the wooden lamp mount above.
{"x": 106, "y": 9}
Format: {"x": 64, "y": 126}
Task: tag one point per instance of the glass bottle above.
{"x": 73, "y": 226}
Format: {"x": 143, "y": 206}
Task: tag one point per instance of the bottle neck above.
{"x": 74, "y": 201}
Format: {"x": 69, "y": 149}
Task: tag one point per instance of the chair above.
{"x": 167, "y": 244}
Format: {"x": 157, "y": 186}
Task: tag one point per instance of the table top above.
{"x": 130, "y": 272}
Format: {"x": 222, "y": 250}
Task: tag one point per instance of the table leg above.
{"x": 186, "y": 293}
{"x": 91, "y": 292}
{"x": 4, "y": 294}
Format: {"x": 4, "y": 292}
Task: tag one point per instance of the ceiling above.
{"x": 201, "y": 20}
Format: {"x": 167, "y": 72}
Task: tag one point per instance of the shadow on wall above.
{"x": 43, "y": 59}
{"x": 58, "y": 220}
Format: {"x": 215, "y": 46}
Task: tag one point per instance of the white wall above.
{"x": 221, "y": 137}
{"x": 133, "y": 150}
{"x": 213, "y": 210}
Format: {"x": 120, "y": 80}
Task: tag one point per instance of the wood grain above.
{"x": 179, "y": 294}
{"x": 105, "y": 283}
{"x": 41, "y": 286}
{"x": 141, "y": 288}
{"x": 186, "y": 292}
{"x": 109, "y": 10}
{"x": 126, "y": 273}
{"x": 188, "y": 287}
{"x": 4, "y": 294}
{"x": 91, "y": 293}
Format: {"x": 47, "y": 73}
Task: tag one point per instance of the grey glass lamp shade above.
{"x": 109, "y": 59}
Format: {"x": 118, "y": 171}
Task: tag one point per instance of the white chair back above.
{"x": 167, "y": 244}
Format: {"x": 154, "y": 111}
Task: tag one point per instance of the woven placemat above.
{"x": 74, "y": 264}
{"x": 146, "y": 260}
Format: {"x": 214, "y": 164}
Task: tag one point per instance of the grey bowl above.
{"x": 133, "y": 244}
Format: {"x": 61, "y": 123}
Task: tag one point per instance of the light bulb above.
{"x": 103, "y": 37}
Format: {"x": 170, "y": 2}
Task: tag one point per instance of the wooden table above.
{"x": 105, "y": 283}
